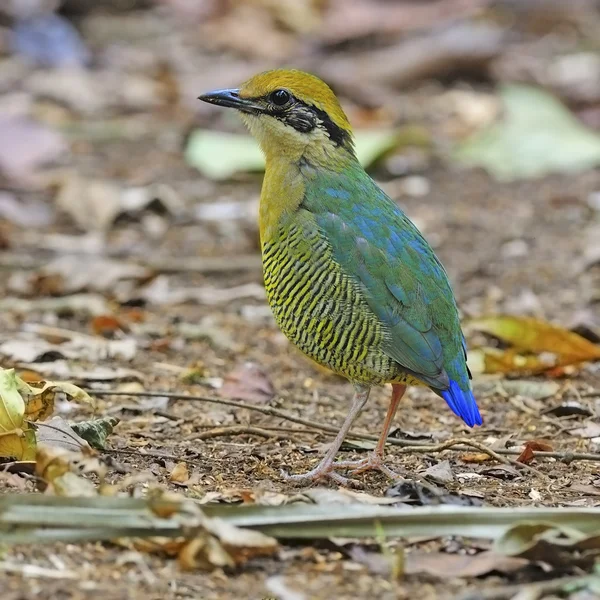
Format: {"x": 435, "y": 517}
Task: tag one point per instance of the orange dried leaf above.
{"x": 475, "y": 457}
{"x": 532, "y": 446}
{"x": 180, "y": 473}
{"x": 533, "y": 335}
{"x": 106, "y": 325}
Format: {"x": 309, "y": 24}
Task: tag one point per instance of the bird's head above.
{"x": 292, "y": 114}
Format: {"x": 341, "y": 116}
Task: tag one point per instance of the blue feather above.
{"x": 462, "y": 404}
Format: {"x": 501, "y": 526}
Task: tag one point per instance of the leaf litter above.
{"x": 188, "y": 255}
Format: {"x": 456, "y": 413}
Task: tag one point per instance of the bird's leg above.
{"x": 375, "y": 458}
{"x": 326, "y": 468}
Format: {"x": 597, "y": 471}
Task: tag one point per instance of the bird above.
{"x": 349, "y": 278}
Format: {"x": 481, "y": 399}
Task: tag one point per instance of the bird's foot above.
{"x": 320, "y": 473}
{"x": 373, "y": 462}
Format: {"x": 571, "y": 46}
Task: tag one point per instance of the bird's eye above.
{"x": 280, "y": 97}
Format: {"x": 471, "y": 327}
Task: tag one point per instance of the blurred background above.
{"x": 128, "y": 208}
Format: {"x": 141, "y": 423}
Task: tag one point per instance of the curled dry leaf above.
{"x": 475, "y": 457}
{"x": 61, "y": 470}
{"x": 40, "y": 397}
{"x": 179, "y": 474}
{"x": 537, "y": 346}
{"x": 530, "y": 447}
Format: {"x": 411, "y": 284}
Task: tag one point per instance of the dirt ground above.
{"x": 517, "y": 248}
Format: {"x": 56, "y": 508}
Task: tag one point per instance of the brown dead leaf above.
{"x": 537, "y": 345}
{"x": 203, "y": 552}
{"x": 107, "y": 325}
{"x": 179, "y": 474}
{"x": 241, "y": 544}
{"x": 61, "y": 470}
{"x": 248, "y": 382}
{"x": 530, "y": 447}
{"x": 475, "y": 457}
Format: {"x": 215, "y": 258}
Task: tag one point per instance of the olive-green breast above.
{"x": 319, "y": 308}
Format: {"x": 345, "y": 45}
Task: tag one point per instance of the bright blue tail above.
{"x": 462, "y": 404}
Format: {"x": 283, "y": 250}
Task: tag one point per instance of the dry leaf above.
{"x": 179, "y": 474}
{"x": 475, "y": 457}
{"x": 40, "y": 397}
{"x": 61, "y": 469}
{"x": 444, "y": 565}
{"x": 248, "y": 382}
{"x": 537, "y": 346}
{"x": 530, "y": 447}
{"x": 58, "y": 433}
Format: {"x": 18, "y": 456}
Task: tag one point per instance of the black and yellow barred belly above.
{"x": 322, "y": 310}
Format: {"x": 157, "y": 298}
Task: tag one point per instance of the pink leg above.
{"x": 326, "y": 468}
{"x": 375, "y": 459}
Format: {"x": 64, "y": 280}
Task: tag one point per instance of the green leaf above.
{"x": 538, "y": 135}
{"x": 219, "y": 155}
{"x": 96, "y": 431}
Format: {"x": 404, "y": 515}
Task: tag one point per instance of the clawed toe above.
{"x": 373, "y": 462}
{"x": 318, "y": 475}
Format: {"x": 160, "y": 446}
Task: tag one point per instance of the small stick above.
{"x": 237, "y": 430}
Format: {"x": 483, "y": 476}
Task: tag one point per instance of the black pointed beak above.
{"x": 231, "y": 99}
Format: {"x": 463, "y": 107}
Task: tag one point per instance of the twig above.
{"x": 449, "y": 444}
{"x": 237, "y": 430}
{"x": 152, "y": 454}
{"x": 566, "y": 457}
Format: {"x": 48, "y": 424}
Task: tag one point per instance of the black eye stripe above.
{"x": 304, "y": 117}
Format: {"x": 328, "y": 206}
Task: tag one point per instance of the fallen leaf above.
{"x": 446, "y": 566}
{"x": 58, "y": 433}
{"x": 41, "y": 396}
{"x": 60, "y": 469}
{"x": 537, "y": 346}
{"x": 17, "y": 439}
{"x": 475, "y": 457}
{"x": 77, "y": 273}
{"x": 518, "y": 147}
{"x": 248, "y": 382}
{"x": 95, "y": 204}
{"x": 440, "y": 472}
{"x": 531, "y": 446}
{"x": 25, "y": 213}
{"x": 590, "y": 430}
{"x": 107, "y": 325}
{"x": 548, "y": 542}
{"x": 96, "y": 431}
{"x": 26, "y": 147}
{"x": 179, "y": 474}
